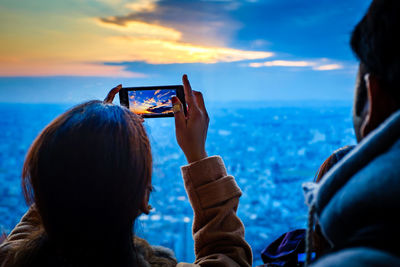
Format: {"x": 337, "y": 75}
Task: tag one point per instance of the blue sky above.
{"x": 75, "y": 50}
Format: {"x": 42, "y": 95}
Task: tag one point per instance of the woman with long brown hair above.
{"x": 87, "y": 177}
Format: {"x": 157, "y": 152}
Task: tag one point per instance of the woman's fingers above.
{"x": 110, "y": 96}
{"x": 188, "y": 91}
{"x": 200, "y": 101}
{"x": 191, "y": 131}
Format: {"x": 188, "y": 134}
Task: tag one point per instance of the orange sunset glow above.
{"x": 49, "y": 39}
{"x": 151, "y": 101}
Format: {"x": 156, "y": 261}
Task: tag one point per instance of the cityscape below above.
{"x": 270, "y": 150}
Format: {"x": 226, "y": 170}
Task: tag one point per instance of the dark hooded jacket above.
{"x": 357, "y": 204}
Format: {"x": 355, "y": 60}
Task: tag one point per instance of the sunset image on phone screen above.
{"x": 151, "y": 101}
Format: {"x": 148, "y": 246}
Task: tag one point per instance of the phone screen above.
{"x": 151, "y": 102}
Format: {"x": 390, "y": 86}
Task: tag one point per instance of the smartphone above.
{"x": 152, "y": 101}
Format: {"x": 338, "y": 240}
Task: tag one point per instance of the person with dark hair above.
{"x": 356, "y": 203}
{"x": 87, "y": 177}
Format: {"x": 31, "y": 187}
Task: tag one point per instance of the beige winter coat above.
{"x": 218, "y": 232}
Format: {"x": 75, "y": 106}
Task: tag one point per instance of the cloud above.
{"x": 156, "y": 44}
{"x": 142, "y": 5}
{"x": 142, "y": 29}
{"x": 81, "y": 45}
{"x": 328, "y": 67}
{"x": 198, "y": 21}
{"x": 41, "y": 69}
{"x": 318, "y": 65}
{"x": 281, "y": 63}
{"x": 157, "y": 51}
{"x": 151, "y": 31}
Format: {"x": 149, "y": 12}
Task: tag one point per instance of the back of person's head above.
{"x": 87, "y": 173}
{"x": 376, "y": 44}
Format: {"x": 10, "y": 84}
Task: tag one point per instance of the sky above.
{"x": 76, "y": 50}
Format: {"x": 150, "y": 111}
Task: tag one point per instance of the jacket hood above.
{"x": 358, "y": 200}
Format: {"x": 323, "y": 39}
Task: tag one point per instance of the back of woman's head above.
{"x": 331, "y": 161}
{"x": 87, "y": 173}
{"x": 320, "y": 244}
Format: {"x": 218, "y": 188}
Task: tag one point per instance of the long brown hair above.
{"x": 87, "y": 173}
{"x": 320, "y": 244}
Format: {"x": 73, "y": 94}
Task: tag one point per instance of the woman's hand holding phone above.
{"x": 191, "y": 131}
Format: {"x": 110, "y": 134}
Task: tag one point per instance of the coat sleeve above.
{"x": 217, "y": 230}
